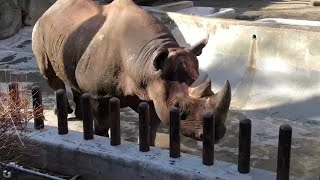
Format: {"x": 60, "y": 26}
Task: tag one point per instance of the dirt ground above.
{"x": 258, "y": 9}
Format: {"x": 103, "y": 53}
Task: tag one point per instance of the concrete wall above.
{"x": 277, "y": 71}
{"x": 96, "y": 159}
{"x": 187, "y": 7}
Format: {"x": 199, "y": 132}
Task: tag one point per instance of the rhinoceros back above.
{"x": 88, "y": 46}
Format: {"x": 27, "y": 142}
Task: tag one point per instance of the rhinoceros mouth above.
{"x": 198, "y": 135}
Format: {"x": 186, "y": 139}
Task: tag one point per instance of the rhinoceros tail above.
{"x": 36, "y": 39}
{"x": 38, "y": 48}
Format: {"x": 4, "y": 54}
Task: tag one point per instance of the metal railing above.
{"x": 13, "y": 171}
{"x": 284, "y": 144}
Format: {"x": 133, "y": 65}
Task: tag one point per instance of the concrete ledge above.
{"x": 227, "y": 13}
{"x": 290, "y": 21}
{"x": 97, "y": 159}
{"x": 187, "y": 7}
{"x": 175, "y": 6}
{"x": 165, "y": 17}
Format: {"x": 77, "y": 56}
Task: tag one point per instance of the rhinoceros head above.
{"x": 181, "y": 85}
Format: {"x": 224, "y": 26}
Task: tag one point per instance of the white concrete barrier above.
{"x": 96, "y": 159}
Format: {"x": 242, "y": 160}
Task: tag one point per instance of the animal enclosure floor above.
{"x": 17, "y": 62}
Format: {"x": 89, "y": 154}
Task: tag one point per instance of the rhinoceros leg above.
{"x": 154, "y": 124}
{"x": 154, "y": 121}
{"x": 55, "y": 83}
{"x": 77, "y": 101}
{"x": 45, "y": 66}
{"x": 100, "y": 107}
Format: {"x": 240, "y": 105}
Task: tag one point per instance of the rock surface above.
{"x": 10, "y": 18}
{"x": 16, "y": 13}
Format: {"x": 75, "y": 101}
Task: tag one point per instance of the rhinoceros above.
{"x": 120, "y": 50}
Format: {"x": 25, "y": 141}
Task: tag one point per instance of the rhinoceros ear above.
{"x": 197, "y": 48}
{"x": 160, "y": 58}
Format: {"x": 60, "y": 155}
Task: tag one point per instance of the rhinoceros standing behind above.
{"x": 120, "y": 50}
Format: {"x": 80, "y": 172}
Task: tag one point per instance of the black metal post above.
{"x": 37, "y": 107}
{"x": 14, "y": 100}
{"x": 114, "y": 112}
{"x": 144, "y": 119}
{"x": 208, "y": 139}
{"x": 175, "y": 133}
{"x": 244, "y": 146}
{"x": 284, "y": 151}
{"x": 62, "y": 113}
{"x": 14, "y": 94}
{"x": 87, "y": 116}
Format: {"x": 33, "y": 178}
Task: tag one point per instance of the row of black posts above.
{"x": 284, "y": 144}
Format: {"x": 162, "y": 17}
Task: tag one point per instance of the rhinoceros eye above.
{"x": 159, "y": 61}
{"x": 183, "y": 113}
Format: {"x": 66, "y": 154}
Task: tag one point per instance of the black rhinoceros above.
{"x": 120, "y": 50}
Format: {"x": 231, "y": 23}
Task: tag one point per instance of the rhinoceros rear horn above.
{"x": 220, "y": 101}
{"x": 200, "y": 87}
{"x": 197, "y": 48}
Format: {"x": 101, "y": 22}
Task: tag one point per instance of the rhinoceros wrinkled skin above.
{"x": 120, "y": 50}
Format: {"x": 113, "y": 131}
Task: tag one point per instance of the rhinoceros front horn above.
{"x": 200, "y": 87}
{"x": 197, "y": 48}
{"x": 220, "y": 102}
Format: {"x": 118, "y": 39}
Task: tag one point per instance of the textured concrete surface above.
{"x": 274, "y": 79}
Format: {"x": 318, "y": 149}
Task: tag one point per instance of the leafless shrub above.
{"x": 15, "y": 113}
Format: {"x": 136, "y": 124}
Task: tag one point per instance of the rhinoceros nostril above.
{"x": 199, "y": 135}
